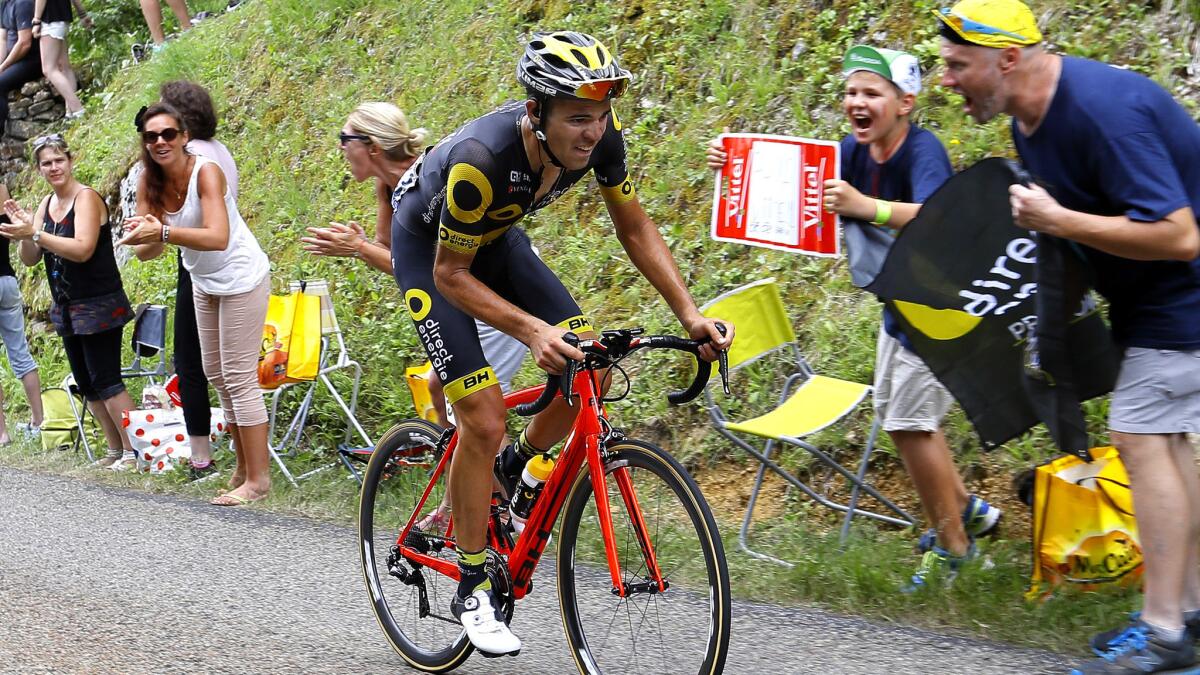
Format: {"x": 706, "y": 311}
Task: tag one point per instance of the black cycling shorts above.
{"x": 508, "y": 266}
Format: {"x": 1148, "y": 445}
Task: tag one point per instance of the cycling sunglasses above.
{"x": 151, "y": 137}
{"x": 964, "y": 25}
{"x": 601, "y": 90}
{"x": 345, "y": 138}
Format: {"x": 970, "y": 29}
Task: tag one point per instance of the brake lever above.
{"x": 723, "y": 368}
{"x": 723, "y": 362}
{"x": 567, "y": 379}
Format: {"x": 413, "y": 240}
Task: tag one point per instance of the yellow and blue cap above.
{"x": 992, "y": 23}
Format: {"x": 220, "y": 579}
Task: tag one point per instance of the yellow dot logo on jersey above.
{"x": 419, "y": 303}
{"x": 939, "y": 324}
{"x": 468, "y": 193}
{"x": 506, "y": 213}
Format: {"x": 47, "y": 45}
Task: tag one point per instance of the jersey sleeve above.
{"x": 930, "y": 168}
{"x": 1140, "y": 178}
{"x": 471, "y": 187}
{"x": 610, "y": 168}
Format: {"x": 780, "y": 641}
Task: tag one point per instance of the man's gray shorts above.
{"x": 907, "y": 395}
{"x": 1157, "y": 392}
{"x": 504, "y": 353}
{"x": 12, "y": 328}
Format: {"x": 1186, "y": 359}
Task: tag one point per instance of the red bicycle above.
{"x": 642, "y": 581}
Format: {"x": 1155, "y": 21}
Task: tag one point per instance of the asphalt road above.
{"x": 99, "y": 580}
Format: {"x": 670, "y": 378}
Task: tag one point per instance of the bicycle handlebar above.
{"x": 616, "y": 345}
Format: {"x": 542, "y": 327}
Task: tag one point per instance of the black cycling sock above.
{"x": 524, "y": 448}
{"x": 472, "y": 575}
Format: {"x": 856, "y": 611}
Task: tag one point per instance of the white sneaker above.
{"x": 107, "y": 460}
{"x": 480, "y": 615}
{"x": 127, "y": 462}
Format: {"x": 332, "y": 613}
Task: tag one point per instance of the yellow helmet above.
{"x": 566, "y": 64}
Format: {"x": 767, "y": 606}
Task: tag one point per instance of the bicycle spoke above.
{"x": 650, "y": 630}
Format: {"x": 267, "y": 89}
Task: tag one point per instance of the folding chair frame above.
{"x": 289, "y": 442}
{"x": 856, "y": 480}
{"x": 157, "y": 374}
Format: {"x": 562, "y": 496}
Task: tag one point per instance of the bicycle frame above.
{"x": 583, "y": 444}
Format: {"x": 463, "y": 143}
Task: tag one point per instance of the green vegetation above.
{"x": 285, "y": 73}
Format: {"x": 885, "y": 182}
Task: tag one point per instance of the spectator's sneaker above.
{"x": 108, "y": 460}
{"x": 480, "y": 615}
{"x": 75, "y": 115}
{"x": 1101, "y": 643}
{"x": 201, "y": 16}
{"x": 127, "y": 462}
{"x": 199, "y": 473}
{"x": 1138, "y": 650}
{"x": 979, "y": 520}
{"x": 29, "y": 430}
{"x": 937, "y": 564}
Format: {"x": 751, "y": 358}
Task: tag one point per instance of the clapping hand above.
{"x": 142, "y": 230}
{"x": 337, "y": 240}
{"x": 21, "y": 226}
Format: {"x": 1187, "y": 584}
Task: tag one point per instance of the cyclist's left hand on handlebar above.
{"x": 550, "y": 352}
{"x": 705, "y": 328}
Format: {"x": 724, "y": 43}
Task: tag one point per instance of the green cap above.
{"x": 899, "y": 68}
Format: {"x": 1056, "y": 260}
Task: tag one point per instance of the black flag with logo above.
{"x": 1002, "y": 316}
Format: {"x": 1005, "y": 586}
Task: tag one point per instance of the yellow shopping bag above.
{"x": 418, "y": 383}
{"x": 291, "y": 344}
{"x": 1084, "y": 530}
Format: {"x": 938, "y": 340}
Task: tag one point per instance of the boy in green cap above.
{"x": 889, "y": 168}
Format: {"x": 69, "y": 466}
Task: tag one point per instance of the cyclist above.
{"x": 457, "y": 257}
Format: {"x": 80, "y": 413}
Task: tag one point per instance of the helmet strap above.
{"x": 541, "y": 135}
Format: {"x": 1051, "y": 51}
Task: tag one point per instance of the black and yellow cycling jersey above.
{"x": 475, "y": 183}
{"x": 465, "y": 194}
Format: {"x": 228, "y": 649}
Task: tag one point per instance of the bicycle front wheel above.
{"x": 411, "y": 602}
{"x": 684, "y": 629}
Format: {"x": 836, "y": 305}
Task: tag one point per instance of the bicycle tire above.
{"x": 691, "y": 557}
{"x": 395, "y": 477}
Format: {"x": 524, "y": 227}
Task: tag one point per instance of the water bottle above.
{"x": 533, "y": 477}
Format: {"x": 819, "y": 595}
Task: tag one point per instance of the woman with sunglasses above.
{"x": 377, "y": 143}
{"x": 185, "y": 200}
{"x": 89, "y": 306}
{"x": 196, "y": 106}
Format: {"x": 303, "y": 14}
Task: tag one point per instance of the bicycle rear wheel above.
{"x": 411, "y": 602}
{"x": 684, "y": 629}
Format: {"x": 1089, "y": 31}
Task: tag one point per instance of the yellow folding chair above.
{"x": 807, "y": 403}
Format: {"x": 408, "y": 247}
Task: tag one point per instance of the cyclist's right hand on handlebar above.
{"x": 550, "y": 352}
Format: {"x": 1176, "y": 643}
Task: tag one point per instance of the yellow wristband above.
{"x": 883, "y": 212}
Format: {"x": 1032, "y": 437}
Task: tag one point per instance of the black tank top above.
{"x": 6, "y": 268}
{"x": 92, "y": 278}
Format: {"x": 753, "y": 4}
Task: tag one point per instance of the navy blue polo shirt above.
{"x": 917, "y": 169}
{"x": 1114, "y": 143}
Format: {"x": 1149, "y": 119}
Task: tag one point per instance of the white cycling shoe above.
{"x": 480, "y": 615}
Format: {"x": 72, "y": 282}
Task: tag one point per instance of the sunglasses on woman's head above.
{"x": 151, "y": 137}
{"x": 49, "y": 139}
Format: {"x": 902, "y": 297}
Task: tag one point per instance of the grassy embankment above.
{"x": 286, "y": 72}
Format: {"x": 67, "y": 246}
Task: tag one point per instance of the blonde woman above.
{"x": 185, "y": 200}
{"x": 70, "y": 231}
{"x": 378, "y": 143}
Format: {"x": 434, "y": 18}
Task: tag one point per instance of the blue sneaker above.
{"x": 937, "y": 564}
{"x": 979, "y": 519}
{"x": 1102, "y": 643}
{"x": 1137, "y": 650}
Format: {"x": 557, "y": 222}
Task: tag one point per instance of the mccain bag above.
{"x": 1084, "y": 530}
{"x": 291, "y": 344}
